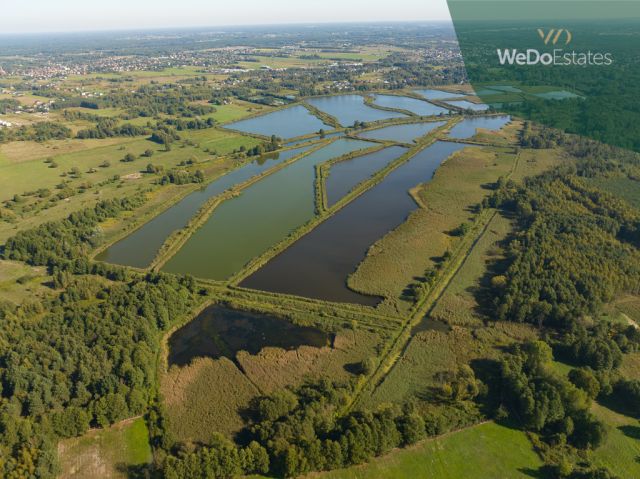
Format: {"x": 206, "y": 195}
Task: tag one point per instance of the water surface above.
{"x": 141, "y": 247}
{"x": 402, "y": 133}
{"x": 348, "y": 109}
{"x": 263, "y": 214}
{"x": 467, "y": 105}
{"x": 343, "y": 176}
{"x": 467, "y": 127}
{"x": 419, "y": 107}
{"x": 286, "y": 123}
{"x": 557, "y": 95}
{"x": 222, "y": 332}
{"x": 432, "y": 94}
{"x": 318, "y": 264}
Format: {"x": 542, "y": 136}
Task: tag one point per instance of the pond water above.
{"x": 350, "y": 108}
{"x": 432, "y": 94}
{"x": 141, "y": 247}
{"x": 286, "y": 123}
{"x": 318, "y": 264}
{"x": 402, "y": 133}
{"x": 467, "y": 127}
{"x": 343, "y": 176}
{"x": 247, "y": 225}
{"x": 419, "y": 107}
{"x": 504, "y": 88}
{"x": 557, "y": 95}
{"x": 467, "y": 105}
{"x": 222, "y": 332}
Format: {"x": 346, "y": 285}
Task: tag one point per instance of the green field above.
{"x": 623, "y": 187}
{"x": 486, "y": 451}
{"x": 621, "y": 449}
{"x": 19, "y": 282}
{"x": 113, "y": 453}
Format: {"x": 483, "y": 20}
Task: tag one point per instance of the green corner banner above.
{"x": 569, "y": 64}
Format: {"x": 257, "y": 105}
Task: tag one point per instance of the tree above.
{"x": 584, "y": 379}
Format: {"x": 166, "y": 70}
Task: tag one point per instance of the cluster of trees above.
{"x": 65, "y": 244}
{"x": 576, "y": 250}
{"x": 39, "y": 131}
{"x": 165, "y": 135}
{"x": 544, "y": 402}
{"x": 86, "y": 356}
{"x": 296, "y": 432}
{"x": 110, "y": 127}
{"x": 8, "y": 105}
{"x": 272, "y": 145}
{"x": 182, "y": 177}
{"x": 153, "y": 99}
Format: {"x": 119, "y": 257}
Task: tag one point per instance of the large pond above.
{"x": 467, "y": 105}
{"x": 318, "y": 264}
{"x": 263, "y": 214}
{"x": 343, "y": 176}
{"x": 141, "y": 247}
{"x": 432, "y": 94}
{"x": 222, "y": 332}
{"x": 467, "y": 127}
{"x": 402, "y": 133}
{"x": 348, "y": 109}
{"x": 286, "y": 123}
{"x": 419, "y": 107}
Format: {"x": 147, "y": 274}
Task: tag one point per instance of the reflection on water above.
{"x": 264, "y": 213}
{"x": 219, "y": 331}
{"x": 286, "y": 123}
{"x": 467, "y": 127}
{"x": 318, "y": 264}
{"x": 348, "y": 109}
{"x": 141, "y": 247}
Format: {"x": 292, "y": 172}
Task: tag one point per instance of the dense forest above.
{"x": 86, "y": 356}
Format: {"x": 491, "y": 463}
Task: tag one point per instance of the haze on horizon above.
{"x": 43, "y": 16}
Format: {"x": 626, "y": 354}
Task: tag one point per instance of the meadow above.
{"x": 116, "y": 452}
{"x": 485, "y": 451}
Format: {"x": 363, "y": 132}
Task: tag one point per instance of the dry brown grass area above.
{"x": 274, "y": 368}
{"x": 205, "y": 397}
{"x": 209, "y": 395}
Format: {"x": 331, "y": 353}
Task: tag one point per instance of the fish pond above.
{"x": 222, "y": 332}
{"x": 244, "y": 227}
{"x": 343, "y": 176}
{"x": 467, "y": 105}
{"x": 141, "y": 247}
{"x": 419, "y": 107}
{"x": 319, "y": 263}
{"x": 467, "y": 128}
{"x": 286, "y": 123}
{"x": 432, "y": 94}
{"x": 348, "y": 109}
{"x": 402, "y": 133}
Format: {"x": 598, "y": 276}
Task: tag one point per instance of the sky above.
{"x": 31, "y": 16}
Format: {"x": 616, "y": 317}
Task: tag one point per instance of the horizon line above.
{"x": 222, "y": 26}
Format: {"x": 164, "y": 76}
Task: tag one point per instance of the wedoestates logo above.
{"x": 557, "y": 57}
{"x": 550, "y": 37}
